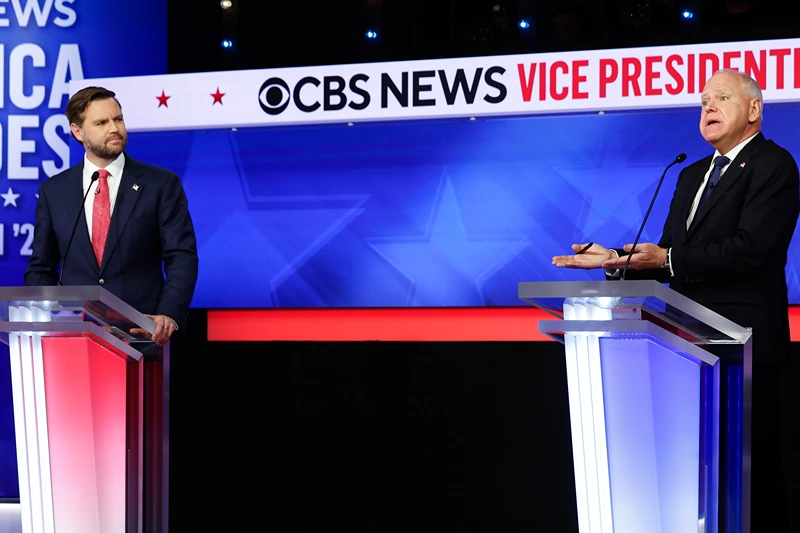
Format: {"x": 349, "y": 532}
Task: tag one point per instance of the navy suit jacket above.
{"x": 151, "y": 234}
{"x": 732, "y": 259}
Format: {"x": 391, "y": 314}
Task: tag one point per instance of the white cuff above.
{"x": 614, "y": 273}
{"x": 669, "y": 255}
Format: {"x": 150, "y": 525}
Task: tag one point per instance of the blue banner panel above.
{"x": 424, "y": 213}
{"x": 44, "y": 44}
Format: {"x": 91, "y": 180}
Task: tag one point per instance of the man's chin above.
{"x": 113, "y": 152}
{"x": 711, "y": 138}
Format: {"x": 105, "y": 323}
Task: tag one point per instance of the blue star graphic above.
{"x": 613, "y": 189}
{"x": 10, "y": 198}
{"x": 447, "y": 264}
{"x": 284, "y": 230}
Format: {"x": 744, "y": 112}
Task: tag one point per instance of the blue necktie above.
{"x": 719, "y": 162}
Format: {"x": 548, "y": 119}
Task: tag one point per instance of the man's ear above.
{"x": 76, "y": 132}
{"x": 755, "y": 110}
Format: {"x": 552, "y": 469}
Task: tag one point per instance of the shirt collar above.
{"x": 734, "y": 152}
{"x": 114, "y": 168}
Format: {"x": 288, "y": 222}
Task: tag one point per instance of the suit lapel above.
{"x": 733, "y": 173}
{"x": 81, "y": 242}
{"x": 127, "y": 198}
{"x": 689, "y": 194}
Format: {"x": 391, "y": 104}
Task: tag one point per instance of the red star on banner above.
{"x": 217, "y": 97}
{"x": 162, "y": 100}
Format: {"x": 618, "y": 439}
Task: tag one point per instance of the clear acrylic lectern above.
{"x": 659, "y": 395}
{"x": 91, "y": 396}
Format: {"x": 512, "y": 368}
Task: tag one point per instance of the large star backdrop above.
{"x": 423, "y": 213}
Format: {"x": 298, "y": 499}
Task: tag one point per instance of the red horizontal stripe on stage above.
{"x": 794, "y": 322}
{"x": 393, "y": 324}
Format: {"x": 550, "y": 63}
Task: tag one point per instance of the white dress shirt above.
{"x": 115, "y": 176}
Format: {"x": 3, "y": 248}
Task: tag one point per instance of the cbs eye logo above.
{"x": 274, "y": 96}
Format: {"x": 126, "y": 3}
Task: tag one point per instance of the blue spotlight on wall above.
{"x": 372, "y": 34}
{"x": 686, "y": 14}
{"x": 226, "y": 43}
{"x": 524, "y": 24}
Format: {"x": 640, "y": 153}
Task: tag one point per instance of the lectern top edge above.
{"x": 76, "y": 303}
{"x": 649, "y": 297}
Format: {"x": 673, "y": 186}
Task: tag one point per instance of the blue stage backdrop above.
{"x": 44, "y": 44}
{"x": 424, "y": 213}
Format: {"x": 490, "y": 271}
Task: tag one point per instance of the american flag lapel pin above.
{"x": 136, "y": 187}
{"x": 742, "y": 165}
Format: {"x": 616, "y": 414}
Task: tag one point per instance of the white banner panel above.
{"x": 596, "y": 80}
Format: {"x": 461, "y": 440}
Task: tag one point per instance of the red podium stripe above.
{"x": 86, "y": 405}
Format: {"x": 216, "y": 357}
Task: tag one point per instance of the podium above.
{"x": 659, "y": 394}
{"x": 91, "y": 404}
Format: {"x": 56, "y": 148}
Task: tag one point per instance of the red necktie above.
{"x": 101, "y": 215}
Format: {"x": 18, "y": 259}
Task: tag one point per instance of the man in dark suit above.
{"x": 725, "y": 245}
{"x": 136, "y": 227}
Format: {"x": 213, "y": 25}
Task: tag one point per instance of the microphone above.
{"x": 680, "y": 159}
{"x": 94, "y": 178}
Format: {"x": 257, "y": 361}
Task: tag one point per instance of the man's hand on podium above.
{"x": 165, "y": 327}
{"x": 595, "y": 256}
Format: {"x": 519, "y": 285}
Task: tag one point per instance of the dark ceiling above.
{"x": 269, "y": 33}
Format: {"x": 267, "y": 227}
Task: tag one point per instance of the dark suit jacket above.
{"x": 151, "y": 234}
{"x": 733, "y": 257}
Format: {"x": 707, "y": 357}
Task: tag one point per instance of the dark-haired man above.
{"x": 136, "y": 239}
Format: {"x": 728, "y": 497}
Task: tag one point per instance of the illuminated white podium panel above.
{"x": 659, "y": 394}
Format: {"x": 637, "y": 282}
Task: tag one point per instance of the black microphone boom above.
{"x": 680, "y": 159}
{"x": 95, "y": 177}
